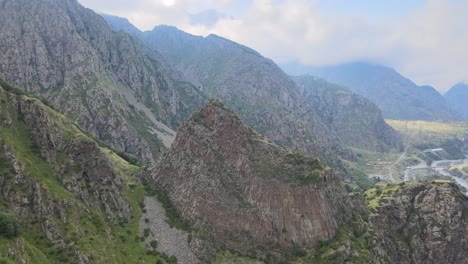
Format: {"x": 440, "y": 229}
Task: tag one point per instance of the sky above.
{"x": 424, "y": 40}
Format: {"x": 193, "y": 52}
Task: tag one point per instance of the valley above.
{"x": 416, "y": 162}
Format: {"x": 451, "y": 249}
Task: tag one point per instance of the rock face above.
{"x": 457, "y": 97}
{"x": 357, "y": 121}
{"x": 105, "y": 81}
{"x": 395, "y": 95}
{"x": 423, "y": 223}
{"x": 241, "y": 191}
{"x": 66, "y": 191}
{"x": 249, "y": 84}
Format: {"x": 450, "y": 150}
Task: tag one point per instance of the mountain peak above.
{"x": 250, "y": 183}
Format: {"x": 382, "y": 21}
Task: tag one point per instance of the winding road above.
{"x": 439, "y": 169}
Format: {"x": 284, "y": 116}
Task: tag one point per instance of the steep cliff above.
{"x": 73, "y": 201}
{"x": 356, "y": 120}
{"x": 105, "y": 81}
{"x": 239, "y": 190}
{"x": 421, "y": 222}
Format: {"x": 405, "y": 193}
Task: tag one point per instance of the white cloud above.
{"x": 427, "y": 44}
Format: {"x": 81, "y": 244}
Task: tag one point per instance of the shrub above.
{"x": 154, "y": 244}
{"x": 9, "y": 226}
{"x": 146, "y": 232}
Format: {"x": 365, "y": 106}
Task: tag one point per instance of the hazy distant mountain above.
{"x": 358, "y": 122}
{"x": 397, "y": 96}
{"x": 457, "y": 97}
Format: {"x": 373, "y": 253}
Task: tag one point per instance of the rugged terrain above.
{"x": 421, "y": 222}
{"x": 226, "y": 193}
{"x": 105, "y": 81}
{"x": 357, "y": 121}
{"x": 242, "y": 78}
{"x": 71, "y": 200}
{"x": 397, "y": 96}
{"x": 239, "y": 190}
{"x": 236, "y": 190}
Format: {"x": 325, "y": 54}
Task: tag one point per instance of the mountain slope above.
{"x": 74, "y": 201}
{"x": 457, "y": 97}
{"x": 250, "y": 84}
{"x": 396, "y": 96}
{"x": 105, "y": 81}
{"x": 358, "y": 122}
{"x": 238, "y": 190}
{"x": 421, "y": 222}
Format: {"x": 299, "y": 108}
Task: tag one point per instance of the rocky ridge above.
{"x": 239, "y": 190}
{"x": 357, "y": 121}
{"x": 106, "y": 81}
{"x": 248, "y": 83}
{"x": 76, "y": 202}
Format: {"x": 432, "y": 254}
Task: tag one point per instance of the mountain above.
{"x": 241, "y": 78}
{"x": 241, "y": 191}
{"x": 63, "y": 197}
{"x": 358, "y": 122}
{"x": 252, "y": 85}
{"x": 421, "y": 222}
{"x": 122, "y": 24}
{"x": 236, "y": 191}
{"x": 457, "y": 97}
{"x": 395, "y": 95}
{"x": 105, "y": 81}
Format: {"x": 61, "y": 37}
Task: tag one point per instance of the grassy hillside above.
{"x": 55, "y": 224}
{"x": 430, "y": 132}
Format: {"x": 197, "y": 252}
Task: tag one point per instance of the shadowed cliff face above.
{"x": 242, "y": 191}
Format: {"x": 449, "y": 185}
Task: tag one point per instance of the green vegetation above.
{"x": 350, "y": 244}
{"x": 9, "y": 226}
{"x": 424, "y": 132}
{"x": 81, "y": 226}
{"x": 376, "y": 195}
{"x": 305, "y": 169}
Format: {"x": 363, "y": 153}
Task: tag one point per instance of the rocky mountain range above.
{"x": 241, "y": 77}
{"x": 92, "y": 170}
{"x": 397, "y": 96}
{"x": 122, "y": 91}
{"x": 105, "y": 81}
{"x": 457, "y": 97}
{"x": 239, "y": 191}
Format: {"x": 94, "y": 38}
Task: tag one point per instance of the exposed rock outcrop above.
{"x": 241, "y": 191}
{"x": 64, "y": 189}
{"x": 105, "y": 81}
{"x": 422, "y": 222}
{"x": 356, "y": 120}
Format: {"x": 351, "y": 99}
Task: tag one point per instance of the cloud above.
{"x": 426, "y": 43}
